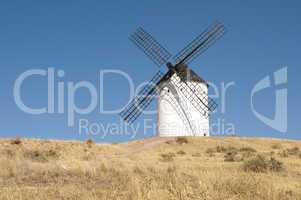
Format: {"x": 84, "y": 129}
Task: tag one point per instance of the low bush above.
{"x": 210, "y": 152}
{"x": 16, "y": 141}
{"x": 276, "y": 146}
{"x": 220, "y": 149}
{"x": 181, "y": 152}
{"x": 293, "y": 151}
{"x": 89, "y": 142}
{"x": 182, "y": 140}
{"x": 41, "y": 156}
{"x": 247, "y": 152}
{"x": 283, "y": 154}
{"x": 167, "y": 157}
{"x": 229, "y": 157}
{"x": 260, "y": 164}
{"x": 248, "y": 149}
{"x": 196, "y": 154}
{"x": 275, "y": 165}
{"x": 232, "y": 157}
{"x": 247, "y": 155}
{"x": 35, "y": 155}
{"x": 256, "y": 164}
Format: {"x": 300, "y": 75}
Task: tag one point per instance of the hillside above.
{"x": 157, "y": 168}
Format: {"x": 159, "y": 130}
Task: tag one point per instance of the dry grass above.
{"x": 35, "y": 169}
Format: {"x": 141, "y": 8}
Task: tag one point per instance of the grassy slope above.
{"x": 151, "y": 169}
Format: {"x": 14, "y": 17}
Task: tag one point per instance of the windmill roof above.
{"x": 189, "y": 74}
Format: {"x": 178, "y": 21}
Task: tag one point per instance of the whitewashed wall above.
{"x": 176, "y": 115}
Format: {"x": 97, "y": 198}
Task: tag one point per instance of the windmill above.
{"x": 183, "y": 103}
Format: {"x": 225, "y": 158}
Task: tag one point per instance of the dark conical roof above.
{"x": 188, "y": 74}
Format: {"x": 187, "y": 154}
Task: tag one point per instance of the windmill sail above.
{"x": 200, "y": 43}
{"x": 188, "y": 85}
{"x": 150, "y": 46}
{"x": 142, "y": 100}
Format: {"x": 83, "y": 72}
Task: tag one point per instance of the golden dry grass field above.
{"x": 158, "y": 168}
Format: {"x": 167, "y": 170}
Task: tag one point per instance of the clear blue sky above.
{"x": 84, "y": 37}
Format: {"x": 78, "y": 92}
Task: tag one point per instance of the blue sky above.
{"x": 85, "y": 37}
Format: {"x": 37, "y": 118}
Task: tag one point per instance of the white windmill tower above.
{"x": 183, "y": 102}
{"x": 176, "y": 114}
